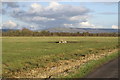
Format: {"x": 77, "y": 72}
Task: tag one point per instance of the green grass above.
{"x": 22, "y": 53}
{"x": 91, "y": 65}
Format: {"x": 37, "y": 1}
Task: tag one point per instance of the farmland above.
{"x": 28, "y": 56}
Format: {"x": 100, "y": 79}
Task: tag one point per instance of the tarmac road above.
{"x": 108, "y": 70}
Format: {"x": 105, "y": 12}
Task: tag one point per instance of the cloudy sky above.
{"x": 44, "y": 15}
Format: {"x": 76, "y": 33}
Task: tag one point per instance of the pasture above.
{"x": 22, "y": 54}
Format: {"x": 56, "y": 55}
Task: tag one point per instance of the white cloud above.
{"x": 114, "y": 27}
{"x": 53, "y": 15}
{"x": 68, "y": 25}
{"x": 36, "y": 8}
{"x": 83, "y": 25}
{"x": 38, "y": 18}
{"x": 87, "y": 25}
{"x": 35, "y": 5}
{"x": 78, "y": 18}
{"x": 9, "y": 24}
{"x": 54, "y": 6}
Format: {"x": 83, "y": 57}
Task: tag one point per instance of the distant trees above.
{"x": 23, "y": 32}
{"x": 27, "y": 32}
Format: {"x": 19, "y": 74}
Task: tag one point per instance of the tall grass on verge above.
{"x": 91, "y": 65}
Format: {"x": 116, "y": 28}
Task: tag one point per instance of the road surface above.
{"x": 108, "y": 70}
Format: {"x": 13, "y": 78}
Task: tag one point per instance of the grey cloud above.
{"x": 7, "y": 7}
{"x": 63, "y": 10}
{"x": 10, "y": 4}
{"x": 3, "y": 11}
{"x": 9, "y": 24}
{"x": 52, "y": 17}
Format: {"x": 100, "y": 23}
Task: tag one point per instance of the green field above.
{"x": 20, "y": 54}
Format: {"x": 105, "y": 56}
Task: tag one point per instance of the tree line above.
{"x": 27, "y": 32}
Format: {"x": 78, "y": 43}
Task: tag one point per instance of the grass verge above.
{"x": 88, "y": 67}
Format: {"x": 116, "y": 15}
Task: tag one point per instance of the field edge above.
{"x": 92, "y": 66}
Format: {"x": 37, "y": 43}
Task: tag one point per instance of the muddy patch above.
{"x": 67, "y": 42}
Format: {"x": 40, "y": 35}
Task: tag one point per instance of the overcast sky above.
{"x": 43, "y": 15}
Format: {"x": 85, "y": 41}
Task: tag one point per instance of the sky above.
{"x": 44, "y": 15}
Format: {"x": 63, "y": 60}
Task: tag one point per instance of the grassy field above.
{"x": 26, "y": 53}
